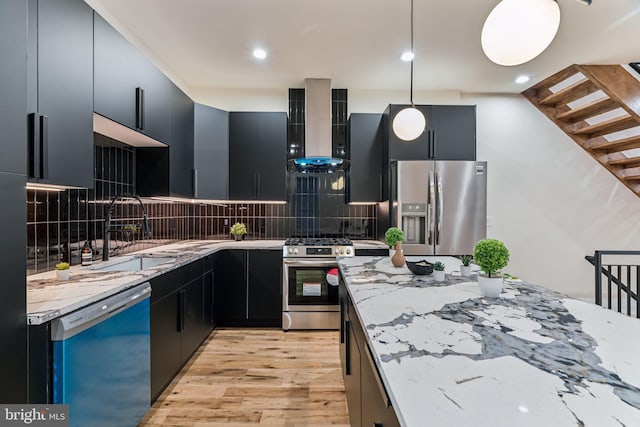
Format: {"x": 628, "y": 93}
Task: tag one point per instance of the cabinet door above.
{"x": 375, "y": 407}
{"x": 157, "y": 103}
{"x": 365, "y": 145}
{"x": 271, "y": 156}
{"x": 454, "y": 132}
{"x": 243, "y": 137}
{"x": 265, "y": 287}
{"x": 397, "y": 149}
{"x": 192, "y": 313}
{"x": 165, "y": 342}
{"x": 13, "y": 86}
{"x": 352, "y": 375}
{"x": 208, "y": 300}
{"x": 116, "y": 64}
{"x": 181, "y": 155}
{"x": 230, "y": 288}
{"x": 343, "y": 303}
{"x": 211, "y": 148}
{"x": 65, "y": 90}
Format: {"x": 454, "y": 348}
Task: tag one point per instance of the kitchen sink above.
{"x": 137, "y": 263}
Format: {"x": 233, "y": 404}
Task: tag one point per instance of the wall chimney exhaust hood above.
{"x": 317, "y": 135}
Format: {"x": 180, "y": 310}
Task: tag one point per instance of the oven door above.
{"x": 306, "y": 287}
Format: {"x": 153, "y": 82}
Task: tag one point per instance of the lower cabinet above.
{"x": 248, "y": 288}
{"x": 181, "y": 318}
{"x": 367, "y": 398}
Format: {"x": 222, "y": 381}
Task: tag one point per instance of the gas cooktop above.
{"x": 318, "y": 241}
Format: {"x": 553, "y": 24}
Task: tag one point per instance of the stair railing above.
{"x": 624, "y": 277}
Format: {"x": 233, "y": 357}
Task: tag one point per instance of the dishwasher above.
{"x": 101, "y": 360}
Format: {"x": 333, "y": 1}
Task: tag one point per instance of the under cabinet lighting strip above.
{"x": 49, "y": 187}
{"x": 218, "y": 202}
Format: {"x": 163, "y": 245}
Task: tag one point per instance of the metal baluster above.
{"x": 628, "y": 290}
{"x": 619, "y": 289}
{"x": 609, "y": 287}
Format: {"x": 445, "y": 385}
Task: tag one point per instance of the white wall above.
{"x": 548, "y": 200}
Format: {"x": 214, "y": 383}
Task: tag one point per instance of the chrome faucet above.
{"x": 108, "y": 227}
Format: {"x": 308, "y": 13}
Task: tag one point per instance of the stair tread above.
{"x": 589, "y": 110}
{"x": 624, "y": 161}
{"x": 619, "y": 144}
{"x": 570, "y": 93}
{"x": 608, "y": 126}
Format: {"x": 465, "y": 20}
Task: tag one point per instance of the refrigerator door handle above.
{"x": 439, "y": 207}
{"x": 430, "y": 210}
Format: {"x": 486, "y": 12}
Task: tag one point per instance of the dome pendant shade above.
{"x": 409, "y": 124}
{"x": 516, "y": 31}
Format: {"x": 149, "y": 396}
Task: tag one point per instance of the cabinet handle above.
{"x": 347, "y": 341}
{"x": 378, "y": 424}
{"x": 38, "y": 145}
{"x": 432, "y": 138}
{"x": 44, "y": 146}
{"x": 139, "y": 108}
{"x": 181, "y": 310}
{"x": 212, "y": 317}
{"x": 341, "y": 320}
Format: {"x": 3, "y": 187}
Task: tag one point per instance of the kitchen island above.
{"x": 449, "y": 357}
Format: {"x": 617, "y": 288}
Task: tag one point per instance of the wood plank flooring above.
{"x": 249, "y": 377}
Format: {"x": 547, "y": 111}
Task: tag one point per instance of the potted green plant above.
{"x": 62, "y": 271}
{"x": 238, "y": 230}
{"x": 438, "y": 271}
{"x": 465, "y": 268}
{"x": 394, "y": 238}
{"x": 492, "y": 256}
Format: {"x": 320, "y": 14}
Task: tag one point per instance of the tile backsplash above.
{"x": 60, "y": 222}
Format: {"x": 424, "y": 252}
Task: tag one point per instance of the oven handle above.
{"x": 310, "y": 263}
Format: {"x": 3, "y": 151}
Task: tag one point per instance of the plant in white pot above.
{"x": 438, "y": 271}
{"x": 492, "y": 256}
{"x": 62, "y": 271}
{"x": 465, "y": 268}
{"x": 238, "y": 230}
{"x": 394, "y": 238}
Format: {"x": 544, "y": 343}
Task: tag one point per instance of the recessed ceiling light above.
{"x": 407, "y": 56}
{"x": 259, "y": 53}
{"x": 522, "y": 79}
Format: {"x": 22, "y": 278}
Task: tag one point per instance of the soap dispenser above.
{"x": 87, "y": 254}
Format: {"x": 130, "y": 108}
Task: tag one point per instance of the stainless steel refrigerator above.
{"x": 441, "y": 206}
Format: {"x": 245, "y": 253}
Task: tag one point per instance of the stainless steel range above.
{"x": 310, "y": 285}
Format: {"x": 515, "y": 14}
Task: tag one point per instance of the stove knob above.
{"x": 295, "y": 250}
{"x": 348, "y": 251}
{"x": 341, "y": 251}
{"x": 290, "y": 250}
{"x": 337, "y": 251}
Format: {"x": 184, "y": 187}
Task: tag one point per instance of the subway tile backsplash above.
{"x": 59, "y": 223}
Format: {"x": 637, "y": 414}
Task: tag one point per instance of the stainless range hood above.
{"x": 317, "y": 134}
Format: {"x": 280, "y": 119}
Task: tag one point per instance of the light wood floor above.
{"x": 248, "y": 377}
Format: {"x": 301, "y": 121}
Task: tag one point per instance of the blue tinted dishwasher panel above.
{"x": 101, "y": 360}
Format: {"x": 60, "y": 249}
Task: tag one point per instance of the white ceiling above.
{"x": 207, "y": 44}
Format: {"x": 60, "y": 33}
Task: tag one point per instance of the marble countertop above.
{"x": 49, "y": 298}
{"x": 533, "y": 357}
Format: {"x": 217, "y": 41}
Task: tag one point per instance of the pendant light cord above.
{"x": 414, "y": 56}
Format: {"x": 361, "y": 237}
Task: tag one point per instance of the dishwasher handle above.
{"x": 72, "y": 324}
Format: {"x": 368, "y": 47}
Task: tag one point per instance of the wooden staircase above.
{"x": 598, "y": 106}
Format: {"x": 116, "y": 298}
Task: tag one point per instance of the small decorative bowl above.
{"x": 420, "y": 268}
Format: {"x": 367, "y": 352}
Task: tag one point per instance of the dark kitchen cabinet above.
{"x": 181, "y": 154}
{"x": 128, "y": 88}
{"x": 248, "y": 288}
{"x": 367, "y": 399}
{"x": 364, "y": 179}
{"x": 181, "y": 316}
{"x": 257, "y": 155}
{"x": 450, "y": 134}
{"x": 13, "y": 303}
{"x": 60, "y": 100}
{"x": 13, "y": 86}
{"x": 211, "y": 152}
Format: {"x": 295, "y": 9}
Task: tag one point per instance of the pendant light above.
{"x": 409, "y": 123}
{"x": 516, "y": 31}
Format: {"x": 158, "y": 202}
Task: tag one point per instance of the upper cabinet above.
{"x": 181, "y": 156}
{"x": 211, "y": 150}
{"x": 128, "y": 88}
{"x": 60, "y": 92}
{"x": 257, "y": 155}
{"x": 364, "y": 183}
{"x": 450, "y": 134}
{"x": 13, "y": 86}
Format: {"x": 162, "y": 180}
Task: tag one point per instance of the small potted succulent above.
{"x": 492, "y": 256}
{"x": 394, "y": 238}
{"x": 62, "y": 271}
{"x": 238, "y": 230}
{"x": 465, "y": 268}
{"x": 438, "y": 271}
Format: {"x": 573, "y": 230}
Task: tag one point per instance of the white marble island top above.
{"x": 533, "y": 357}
